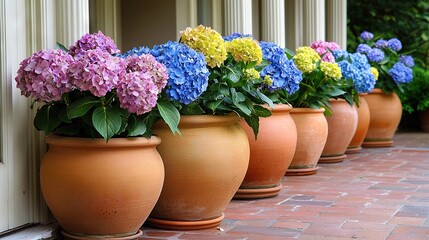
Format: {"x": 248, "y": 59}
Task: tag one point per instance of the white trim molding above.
{"x": 238, "y": 17}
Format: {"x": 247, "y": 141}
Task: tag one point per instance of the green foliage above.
{"x": 416, "y": 94}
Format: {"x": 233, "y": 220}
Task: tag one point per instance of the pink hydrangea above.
{"x": 148, "y": 64}
{"x": 137, "y": 92}
{"x": 43, "y": 76}
{"x": 96, "y": 71}
{"x": 93, "y": 41}
{"x": 325, "y": 49}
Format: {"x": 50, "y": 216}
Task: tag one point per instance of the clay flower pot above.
{"x": 362, "y": 126}
{"x": 312, "y": 131}
{"x": 341, "y": 128}
{"x": 385, "y": 114}
{"x": 270, "y": 155}
{"x": 99, "y": 190}
{"x": 203, "y": 170}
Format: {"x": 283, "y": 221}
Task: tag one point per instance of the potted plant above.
{"x": 207, "y": 163}
{"x": 394, "y": 70}
{"x": 272, "y": 152}
{"x": 99, "y": 177}
{"x": 321, "y": 81}
{"x": 415, "y": 97}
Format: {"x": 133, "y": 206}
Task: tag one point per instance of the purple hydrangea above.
{"x": 381, "y": 44}
{"x": 407, "y": 60}
{"x": 375, "y": 55}
{"x": 283, "y": 71}
{"x": 43, "y": 76}
{"x": 366, "y": 35}
{"x": 93, "y": 41}
{"x": 394, "y": 44}
{"x": 187, "y": 71}
{"x": 236, "y": 35}
{"x": 363, "y": 48}
{"x": 401, "y": 73}
{"x": 96, "y": 71}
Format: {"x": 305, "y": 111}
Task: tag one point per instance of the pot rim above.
{"x": 203, "y": 120}
{"x": 279, "y": 107}
{"x": 101, "y": 143}
{"x": 307, "y": 110}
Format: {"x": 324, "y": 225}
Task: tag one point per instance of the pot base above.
{"x": 185, "y": 225}
{"x": 255, "y": 193}
{"x": 353, "y": 150}
{"x": 332, "y": 159}
{"x": 301, "y": 171}
{"x": 92, "y": 237}
{"x": 377, "y": 144}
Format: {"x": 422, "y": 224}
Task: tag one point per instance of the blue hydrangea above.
{"x": 138, "y": 51}
{"x": 236, "y": 35}
{"x": 394, "y": 44}
{"x": 357, "y": 68}
{"x": 340, "y": 54}
{"x": 283, "y": 71}
{"x": 381, "y": 44}
{"x": 187, "y": 71}
{"x": 401, "y": 73}
{"x": 366, "y": 35}
{"x": 407, "y": 60}
{"x": 363, "y": 48}
{"x": 375, "y": 55}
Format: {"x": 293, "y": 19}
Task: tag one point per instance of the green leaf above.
{"x": 192, "y": 109}
{"x": 62, "y": 47}
{"x": 170, "y": 115}
{"x": 261, "y": 111}
{"x": 136, "y": 126}
{"x": 81, "y": 107}
{"x": 253, "y": 122}
{"x": 63, "y": 116}
{"x": 244, "y": 108}
{"x": 289, "y": 53}
{"x": 213, "y": 105}
{"x": 107, "y": 121}
{"x": 69, "y": 129}
{"x": 264, "y": 98}
{"x": 47, "y": 119}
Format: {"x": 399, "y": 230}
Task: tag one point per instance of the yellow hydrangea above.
{"x": 251, "y": 73}
{"x": 374, "y": 72}
{"x": 207, "y": 41}
{"x": 245, "y": 50}
{"x": 268, "y": 80}
{"x": 305, "y": 59}
{"x": 331, "y": 69}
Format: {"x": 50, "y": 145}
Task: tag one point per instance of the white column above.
{"x": 336, "y": 22}
{"x": 238, "y": 16}
{"x": 294, "y": 23}
{"x": 105, "y": 16}
{"x": 217, "y": 16}
{"x": 314, "y": 21}
{"x": 273, "y": 22}
{"x": 72, "y": 20}
{"x": 186, "y": 15}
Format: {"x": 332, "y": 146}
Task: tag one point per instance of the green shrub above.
{"x": 416, "y": 94}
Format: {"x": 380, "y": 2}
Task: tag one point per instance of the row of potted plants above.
{"x": 187, "y": 100}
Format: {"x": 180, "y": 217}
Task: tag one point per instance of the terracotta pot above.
{"x": 270, "y": 155}
{"x": 312, "y": 131}
{"x": 203, "y": 170}
{"x": 101, "y": 190}
{"x": 385, "y": 115}
{"x": 362, "y": 126}
{"x": 424, "y": 120}
{"x": 341, "y": 128}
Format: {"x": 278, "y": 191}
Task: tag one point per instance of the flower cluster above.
{"x": 331, "y": 70}
{"x": 324, "y": 49}
{"x": 245, "y": 50}
{"x": 43, "y": 76}
{"x": 306, "y": 59}
{"x": 207, "y": 41}
{"x": 393, "y": 69}
{"x": 93, "y": 41}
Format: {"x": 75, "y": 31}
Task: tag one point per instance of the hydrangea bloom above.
{"x": 147, "y": 63}
{"x": 394, "y": 44}
{"x": 282, "y": 71}
{"x": 401, "y": 73}
{"x": 407, "y": 60}
{"x": 96, "y": 71}
{"x": 245, "y": 50}
{"x": 207, "y": 41}
{"x": 366, "y": 35}
{"x": 375, "y": 72}
{"x": 251, "y": 73}
{"x": 187, "y": 71}
{"x": 340, "y": 54}
{"x": 330, "y": 69}
{"x": 375, "y": 55}
{"x": 93, "y": 41}
{"x": 363, "y": 48}
{"x": 305, "y": 59}
{"x": 236, "y": 35}
{"x": 43, "y": 76}
{"x": 324, "y": 49}
{"x": 136, "y": 51}
{"x": 381, "y": 44}
{"x": 357, "y": 68}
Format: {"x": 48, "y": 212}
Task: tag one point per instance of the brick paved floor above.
{"x": 377, "y": 194}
